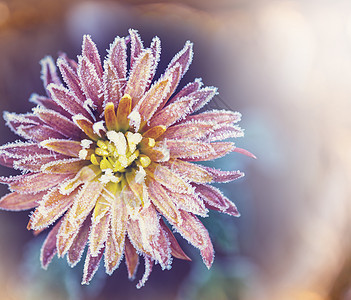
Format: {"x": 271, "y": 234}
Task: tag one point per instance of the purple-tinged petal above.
{"x": 70, "y": 62}
{"x": 75, "y": 253}
{"x": 89, "y": 50}
{"x": 222, "y": 176}
{"x": 136, "y": 46}
{"x": 148, "y": 268}
{"x": 215, "y": 200}
{"x": 223, "y": 132}
{"x": 86, "y": 126}
{"x": 74, "y": 218}
{"x": 112, "y": 84}
{"x": 132, "y": 259}
{"x": 24, "y": 149}
{"x": 98, "y": 233}
{"x": 117, "y": 55}
{"x": 195, "y": 233}
{"x": 203, "y": 96}
{"x": 188, "y": 131}
{"x": 163, "y": 202}
{"x": 91, "y": 265}
{"x": 187, "y": 90}
{"x": 90, "y": 82}
{"x": 183, "y": 57}
{"x": 139, "y": 76}
{"x": 220, "y": 149}
{"x": 113, "y": 253}
{"x": 245, "y": 152}
{"x": 48, "y": 103}
{"x": 215, "y": 116}
{"x": 176, "y": 250}
{"x": 15, "y": 201}
{"x": 33, "y": 183}
{"x": 49, "y": 72}
{"x": 48, "y": 250}
{"x": 34, "y": 163}
{"x": 189, "y": 171}
{"x": 37, "y": 133}
{"x": 189, "y": 149}
{"x": 172, "y": 113}
{"x": 155, "y": 47}
{"x": 67, "y": 100}
{"x": 50, "y": 208}
{"x": 58, "y": 122}
{"x": 71, "y": 78}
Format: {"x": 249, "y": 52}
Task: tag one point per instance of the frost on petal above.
{"x": 71, "y": 165}
{"x": 215, "y": 200}
{"x": 113, "y": 253}
{"x": 117, "y": 55}
{"x": 37, "y": 133}
{"x": 65, "y": 147}
{"x": 188, "y": 131}
{"x": 71, "y": 78}
{"x": 163, "y": 202}
{"x": 67, "y": 100}
{"x": 112, "y": 84}
{"x": 75, "y": 252}
{"x": 136, "y": 45}
{"x": 183, "y": 58}
{"x": 189, "y": 171}
{"x": 148, "y": 268}
{"x": 48, "y": 250}
{"x": 187, "y": 90}
{"x": 215, "y": 116}
{"x": 90, "y": 82}
{"x": 15, "y": 201}
{"x": 90, "y": 51}
{"x": 139, "y": 76}
{"x": 176, "y": 250}
{"x": 48, "y": 103}
{"x": 86, "y": 126}
{"x": 155, "y": 47}
{"x": 91, "y": 265}
{"x": 58, "y": 122}
{"x": 52, "y": 206}
{"x": 98, "y": 234}
{"x": 196, "y": 234}
{"x": 132, "y": 259}
{"x": 33, "y": 163}
{"x": 48, "y": 71}
{"x": 74, "y": 218}
{"x": 222, "y": 176}
{"x": 189, "y": 149}
{"x": 33, "y": 182}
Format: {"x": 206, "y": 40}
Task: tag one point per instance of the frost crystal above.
{"x": 110, "y": 150}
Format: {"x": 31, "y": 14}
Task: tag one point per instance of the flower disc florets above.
{"x": 109, "y": 151}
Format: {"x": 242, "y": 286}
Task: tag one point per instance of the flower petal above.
{"x": 48, "y": 71}
{"x": 52, "y": 206}
{"x": 75, "y": 252}
{"x": 136, "y": 46}
{"x": 90, "y": 51}
{"x": 196, "y": 234}
{"x": 66, "y": 147}
{"x": 86, "y": 126}
{"x": 215, "y": 116}
{"x": 215, "y": 200}
{"x": 99, "y": 232}
{"x": 90, "y": 266}
{"x": 117, "y": 55}
{"x": 189, "y": 171}
{"x": 148, "y": 268}
{"x": 183, "y": 58}
{"x": 222, "y": 176}
{"x": 113, "y": 253}
{"x": 132, "y": 259}
{"x": 48, "y": 250}
{"x": 187, "y": 90}
{"x": 15, "y": 201}
{"x": 70, "y": 165}
{"x": 176, "y": 250}
{"x": 112, "y": 84}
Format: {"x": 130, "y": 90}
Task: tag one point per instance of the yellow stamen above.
{"x": 145, "y": 161}
{"x": 94, "y": 160}
{"x": 102, "y": 144}
{"x": 101, "y": 152}
{"x": 123, "y": 111}
{"x": 105, "y": 164}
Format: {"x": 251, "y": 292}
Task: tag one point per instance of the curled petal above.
{"x": 148, "y": 269}
{"x": 48, "y": 250}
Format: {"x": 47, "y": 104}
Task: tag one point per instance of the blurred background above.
{"x": 286, "y": 66}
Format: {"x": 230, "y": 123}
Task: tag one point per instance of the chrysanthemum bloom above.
{"x": 109, "y": 159}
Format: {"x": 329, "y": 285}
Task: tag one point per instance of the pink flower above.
{"x": 109, "y": 155}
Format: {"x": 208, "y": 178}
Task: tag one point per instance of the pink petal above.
{"x": 112, "y": 84}
{"x": 65, "y": 147}
{"x": 148, "y": 268}
{"x": 215, "y": 116}
{"x": 203, "y": 96}
{"x": 188, "y": 131}
{"x": 99, "y": 232}
{"x": 222, "y": 176}
{"x": 224, "y": 131}
{"x": 113, "y": 254}
{"x": 189, "y": 171}
{"x": 48, "y": 71}
{"x": 71, "y": 78}
{"x": 49, "y": 104}
{"x": 59, "y": 123}
{"x": 67, "y": 100}
{"x": 136, "y": 45}
{"x": 220, "y": 149}
{"x": 90, "y": 51}
{"x": 37, "y": 133}
{"x": 215, "y": 200}
{"x": 24, "y": 149}
{"x": 187, "y": 90}
{"x": 69, "y": 165}
{"x": 245, "y": 152}
{"x": 196, "y": 234}
{"x": 90, "y": 82}
{"x": 91, "y": 265}
{"x": 132, "y": 259}
{"x": 189, "y": 149}
{"x": 34, "y": 163}
{"x": 183, "y": 57}
{"x": 48, "y": 250}
{"x": 176, "y": 250}
{"x": 117, "y": 55}
{"x": 75, "y": 253}
{"x": 15, "y": 201}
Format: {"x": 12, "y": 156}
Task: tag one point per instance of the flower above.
{"x": 109, "y": 156}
